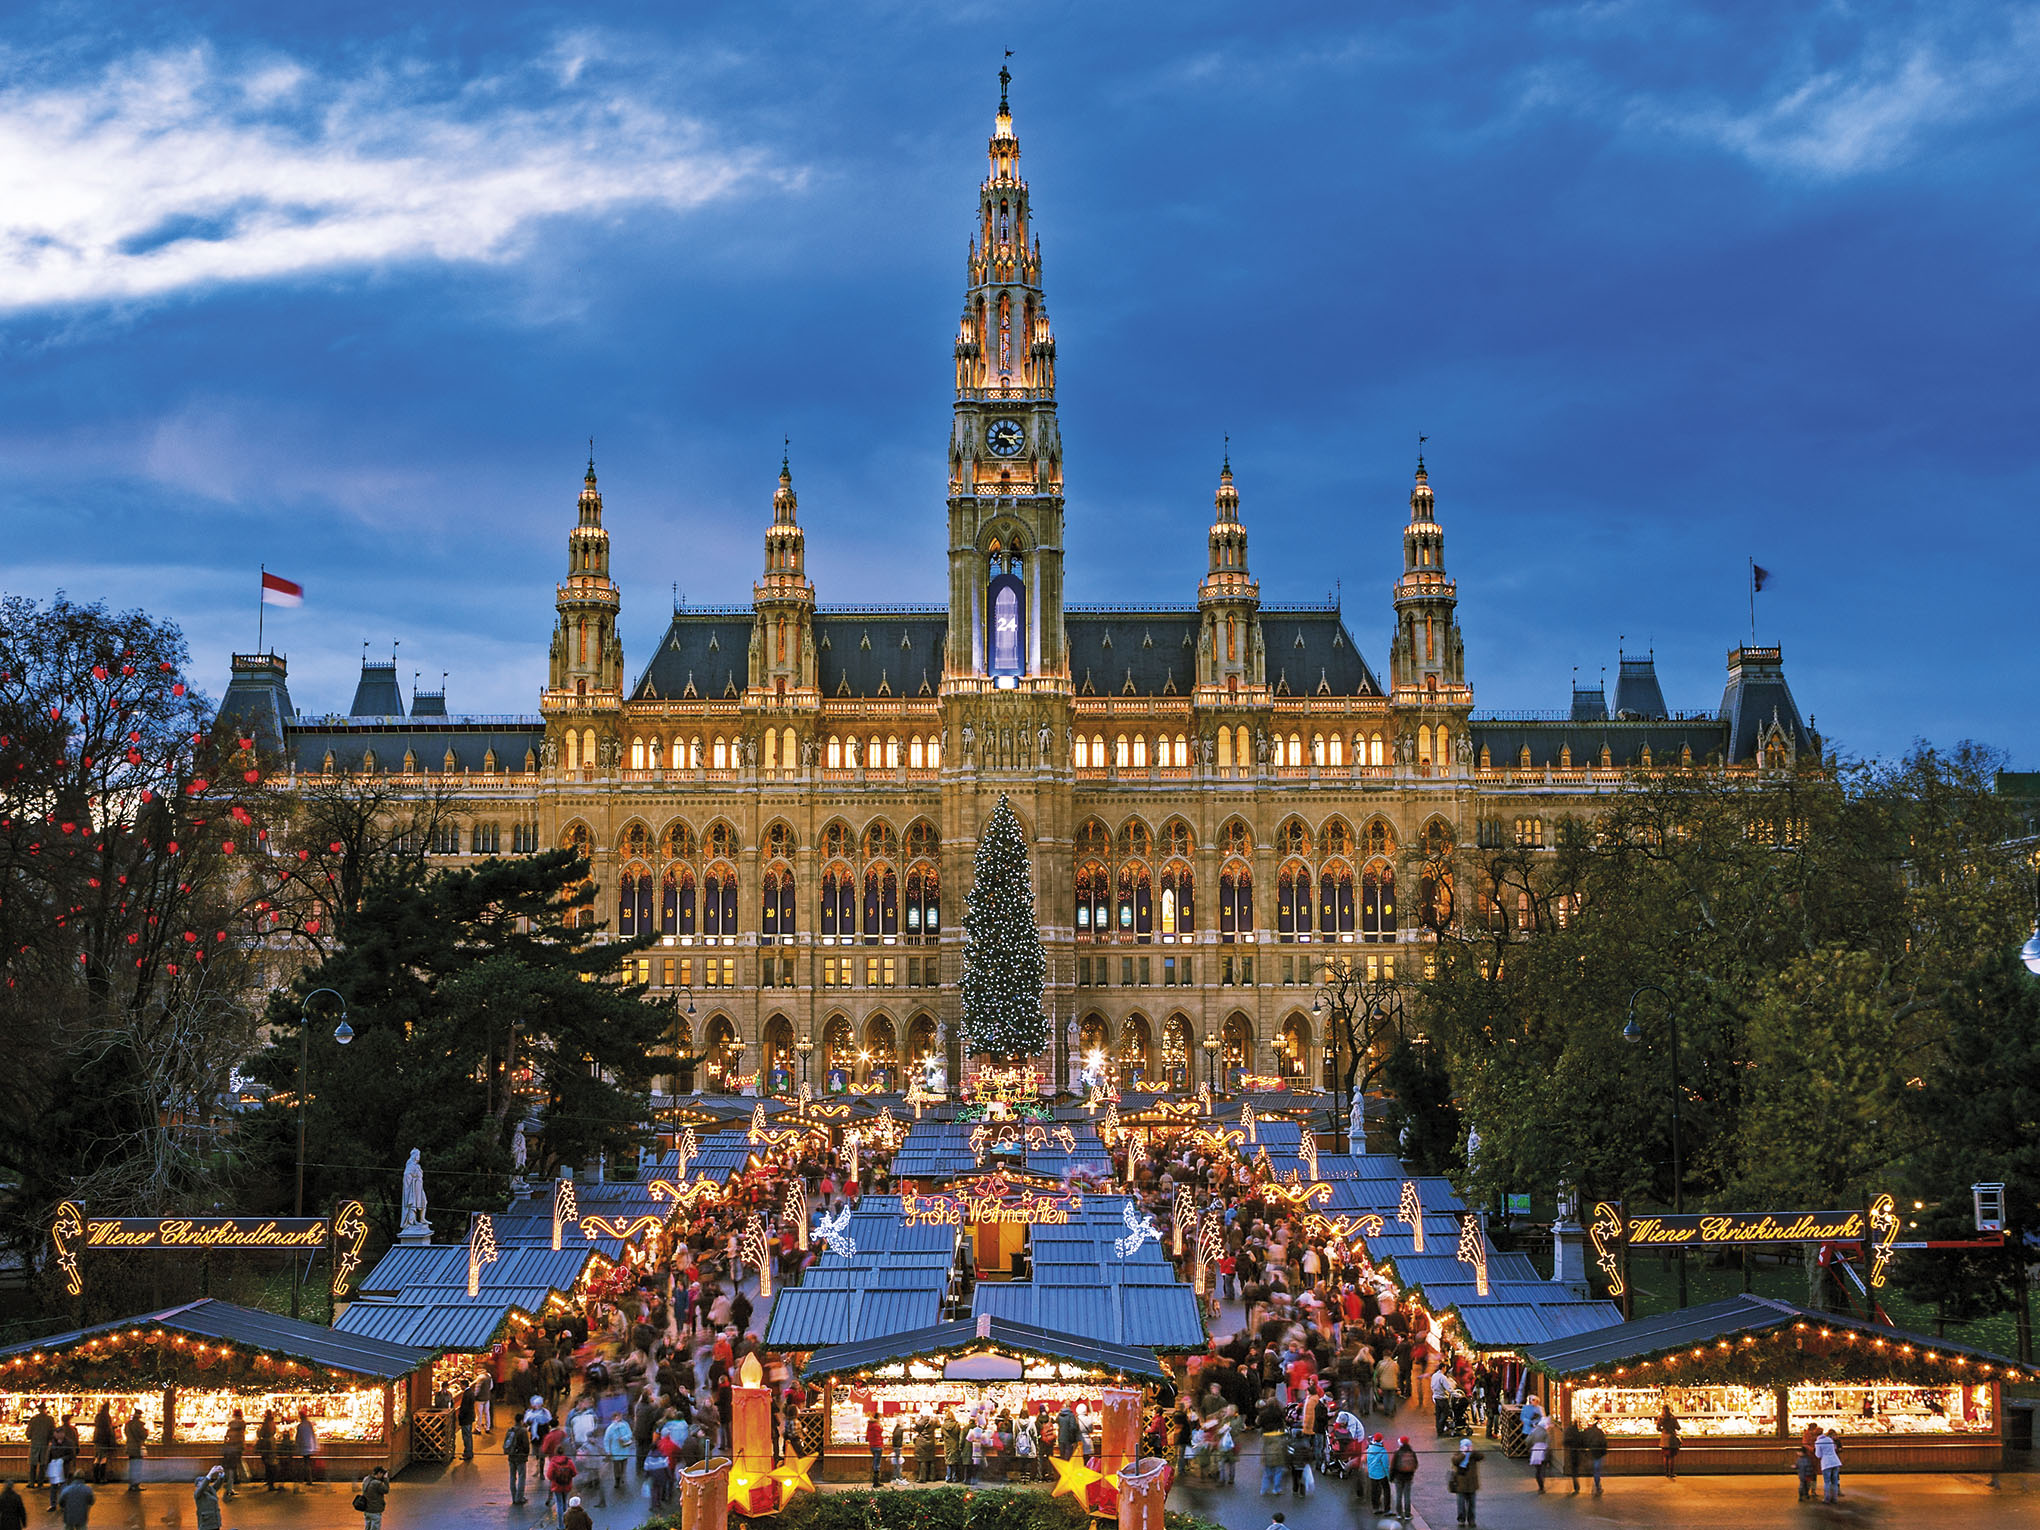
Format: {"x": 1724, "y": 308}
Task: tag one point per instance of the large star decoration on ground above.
{"x": 792, "y": 1475}
{"x": 1072, "y": 1476}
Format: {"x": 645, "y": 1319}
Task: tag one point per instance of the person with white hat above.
{"x": 1464, "y": 1481}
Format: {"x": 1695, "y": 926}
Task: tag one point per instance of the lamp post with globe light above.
{"x": 1634, "y": 1032}
{"x": 342, "y": 1033}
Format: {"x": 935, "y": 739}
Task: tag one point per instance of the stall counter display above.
{"x": 339, "y": 1418}
{"x": 851, "y": 1408}
{"x": 17, "y": 1408}
{"x": 1892, "y": 1408}
{"x": 1706, "y": 1410}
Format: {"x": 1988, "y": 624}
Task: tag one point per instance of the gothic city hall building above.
{"x": 1222, "y": 795}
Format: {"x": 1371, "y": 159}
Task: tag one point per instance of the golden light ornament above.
{"x": 1184, "y": 1214}
{"x": 754, "y": 1246}
{"x": 481, "y": 1250}
{"x": 1605, "y": 1233}
{"x": 1884, "y": 1224}
{"x": 1410, "y": 1212}
{"x": 1473, "y": 1250}
{"x": 792, "y": 1475}
{"x": 67, "y": 1233}
{"x": 797, "y": 1209}
{"x": 350, "y": 1241}
{"x": 1074, "y": 1477}
{"x": 566, "y": 1209}
{"x": 685, "y": 1152}
{"x": 1307, "y": 1150}
{"x": 1249, "y": 1123}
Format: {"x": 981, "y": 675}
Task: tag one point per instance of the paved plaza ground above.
{"x": 477, "y": 1497}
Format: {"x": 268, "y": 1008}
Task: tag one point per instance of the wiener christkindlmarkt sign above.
{"x": 1612, "y": 1232}
{"x": 73, "y": 1233}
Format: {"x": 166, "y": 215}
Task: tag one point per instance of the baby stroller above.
{"x": 1345, "y": 1452}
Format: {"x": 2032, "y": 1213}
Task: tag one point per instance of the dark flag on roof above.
{"x": 1759, "y": 576}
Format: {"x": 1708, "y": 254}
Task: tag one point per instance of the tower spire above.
{"x": 1230, "y": 652}
{"x": 587, "y": 654}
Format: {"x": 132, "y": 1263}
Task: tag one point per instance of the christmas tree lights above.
{"x": 1003, "y": 964}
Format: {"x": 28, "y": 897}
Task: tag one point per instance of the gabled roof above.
{"x": 407, "y": 1269}
{"x": 1713, "y": 1322}
{"x": 264, "y": 1332}
{"x": 377, "y": 694}
{"x": 943, "y": 1339}
{"x": 452, "y": 1325}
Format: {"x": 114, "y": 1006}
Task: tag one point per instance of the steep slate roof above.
{"x": 209, "y": 1318}
{"x": 1756, "y": 692}
{"x": 1637, "y": 692}
{"x": 258, "y": 700}
{"x": 897, "y": 651}
{"x": 407, "y": 1269}
{"x": 377, "y": 693}
{"x": 470, "y": 739}
{"x": 1626, "y": 741}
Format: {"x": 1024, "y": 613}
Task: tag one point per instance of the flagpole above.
{"x": 262, "y": 569}
{"x": 1753, "y": 602}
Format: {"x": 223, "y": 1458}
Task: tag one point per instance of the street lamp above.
{"x": 805, "y": 1047}
{"x": 2029, "y": 953}
{"x": 1634, "y": 1032}
{"x": 680, "y": 1047}
{"x": 342, "y": 1033}
{"x": 1211, "y": 1060}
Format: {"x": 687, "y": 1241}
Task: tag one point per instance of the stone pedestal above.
{"x": 1569, "y": 1258}
{"x": 416, "y": 1236}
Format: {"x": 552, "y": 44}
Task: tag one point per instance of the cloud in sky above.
{"x": 1841, "y": 93}
{"x": 182, "y": 169}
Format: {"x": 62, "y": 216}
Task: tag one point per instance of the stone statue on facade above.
{"x": 1463, "y": 750}
{"x": 549, "y": 752}
{"x": 807, "y": 752}
{"x": 1041, "y": 741}
{"x": 414, "y": 1191}
{"x": 969, "y": 743}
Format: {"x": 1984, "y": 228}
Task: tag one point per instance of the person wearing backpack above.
{"x": 1402, "y": 1470}
{"x": 1298, "y": 1448}
{"x": 374, "y": 1495}
{"x": 1464, "y": 1481}
{"x": 517, "y": 1451}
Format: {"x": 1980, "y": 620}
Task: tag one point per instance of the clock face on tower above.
{"x": 1005, "y": 438}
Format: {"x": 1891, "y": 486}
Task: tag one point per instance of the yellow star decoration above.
{"x": 1072, "y": 1476}
{"x": 792, "y": 1475}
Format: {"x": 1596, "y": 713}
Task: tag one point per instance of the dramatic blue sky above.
{"x": 344, "y": 288}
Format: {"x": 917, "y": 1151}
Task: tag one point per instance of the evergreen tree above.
{"x": 1975, "y": 1109}
{"x": 1003, "y": 964}
{"x": 476, "y": 997}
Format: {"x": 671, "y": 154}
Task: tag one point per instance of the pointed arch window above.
{"x": 1335, "y": 900}
{"x": 775, "y": 906}
{"x": 839, "y": 904}
{"x": 1006, "y": 601}
{"x": 1377, "y": 901}
{"x": 1178, "y": 901}
{"x": 1136, "y": 911}
{"x": 1292, "y": 902}
{"x": 1235, "y": 903}
{"x": 634, "y": 901}
{"x": 881, "y": 905}
{"x": 1094, "y": 911}
{"x": 719, "y": 902}
{"x": 923, "y": 906}
{"x": 676, "y": 901}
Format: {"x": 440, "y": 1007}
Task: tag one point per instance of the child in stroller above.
{"x": 1345, "y": 1448}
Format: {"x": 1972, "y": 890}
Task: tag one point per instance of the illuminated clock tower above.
{"x": 1005, "y": 452}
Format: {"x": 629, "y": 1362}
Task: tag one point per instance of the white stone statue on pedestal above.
{"x": 1356, "y": 1124}
{"x": 1472, "y": 1148}
{"x": 415, "y": 1228}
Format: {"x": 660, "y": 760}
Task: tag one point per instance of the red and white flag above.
{"x": 278, "y": 591}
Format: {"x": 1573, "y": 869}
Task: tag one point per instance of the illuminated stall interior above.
{"x": 958, "y": 1365}
{"x": 1748, "y": 1374}
{"x": 189, "y": 1367}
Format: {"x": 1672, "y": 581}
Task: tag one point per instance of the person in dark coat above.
{"x": 233, "y": 1446}
{"x": 13, "y": 1512}
{"x": 137, "y": 1433}
{"x": 105, "y": 1441}
{"x": 464, "y": 1415}
{"x": 1067, "y": 1434}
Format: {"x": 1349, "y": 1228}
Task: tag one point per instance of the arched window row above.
{"x": 851, "y": 751}
{"x": 1131, "y": 751}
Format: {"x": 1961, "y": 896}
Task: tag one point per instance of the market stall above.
{"x": 1747, "y": 1375}
{"x": 188, "y": 1368}
{"x": 957, "y": 1367}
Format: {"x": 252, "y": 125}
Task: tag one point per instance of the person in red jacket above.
{"x": 559, "y": 1482}
{"x": 874, "y": 1436}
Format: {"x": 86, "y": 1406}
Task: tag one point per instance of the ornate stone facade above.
{"x": 1222, "y": 795}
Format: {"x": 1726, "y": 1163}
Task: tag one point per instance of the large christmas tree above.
{"x": 1003, "y": 964}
